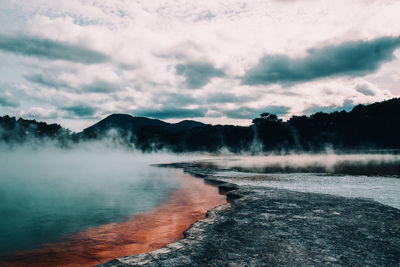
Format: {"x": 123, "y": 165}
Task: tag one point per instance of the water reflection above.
{"x": 140, "y": 233}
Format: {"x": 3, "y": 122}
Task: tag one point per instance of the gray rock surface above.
{"x": 275, "y": 227}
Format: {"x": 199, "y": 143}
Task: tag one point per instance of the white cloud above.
{"x": 41, "y": 113}
{"x": 147, "y": 39}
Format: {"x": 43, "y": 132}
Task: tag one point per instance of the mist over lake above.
{"x": 373, "y": 176}
{"x": 48, "y": 193}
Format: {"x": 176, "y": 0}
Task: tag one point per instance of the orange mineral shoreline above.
{"x": 140, "y": 233}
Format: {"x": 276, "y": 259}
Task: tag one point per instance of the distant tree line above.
{"x": 20, "y": 130}
{"x": 374, "y": 126}
{"x": 366, "y": 126}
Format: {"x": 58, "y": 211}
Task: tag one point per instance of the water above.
{"x": 50, "y": 193}
{"x": 353, "y": 164}
{"x": 385, "y": 190}
{"x": 335, "y": 175}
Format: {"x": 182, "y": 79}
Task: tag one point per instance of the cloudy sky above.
{"x": 77, "y": 61}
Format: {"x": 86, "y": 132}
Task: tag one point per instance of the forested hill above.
{"x": 374, "y": 126}
{"x": 14, "y": 130}
{"x": 366, "y": 126}
{"x": 128, "y": 124}
{"x": 371, "y": 126}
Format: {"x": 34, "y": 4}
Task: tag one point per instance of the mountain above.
{"x": 185, "y": 125}
{"x": 125, "y": 124}
{"x": 373, "y": 126}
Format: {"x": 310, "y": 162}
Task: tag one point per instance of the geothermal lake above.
{"x": 371, "y": 176}
{"x": 83, "y": 201}
{"x": 86, "y": 206}
{"x": 44, "y": 197}
{"x": 385, "y": 190}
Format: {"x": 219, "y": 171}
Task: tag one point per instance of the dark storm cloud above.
{"x": 46, "y": 81}
{"x": 7, "y": 102}
{"x": 170, "y": 113}
{"x": 198, "y": 74}
{"x": 178, "y": 99}
{"x": 347, "y": 106}
{"x": 80, "y": 110}
{"x": 222, "y": 98}
{"x": 347, "y": 59}
{"x": 251, "y": 113}
{"x": 228, "y": 98}
{"x": 365, "y": 90}
{"x": 53, "y": 50}
{"x": 100, "y": 87}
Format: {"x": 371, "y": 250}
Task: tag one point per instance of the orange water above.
{"x": 140, "y": 233}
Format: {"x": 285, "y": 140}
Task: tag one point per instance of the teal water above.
{"x": 47, "y": 194}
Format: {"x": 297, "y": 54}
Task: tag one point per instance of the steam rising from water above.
{"x": 355, "y": 164}
{"x": 356, "y": 175}
{"x": 49, "y": 192}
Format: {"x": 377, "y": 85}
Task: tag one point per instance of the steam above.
{"x": 331, "y": 163}
{"x": 47, "y": 192}
{"x": 354, "y": 175}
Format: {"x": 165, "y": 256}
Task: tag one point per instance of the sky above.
{"x": 75, "y": 62}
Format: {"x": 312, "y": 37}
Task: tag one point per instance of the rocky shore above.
{"x": 273, "y": 227}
